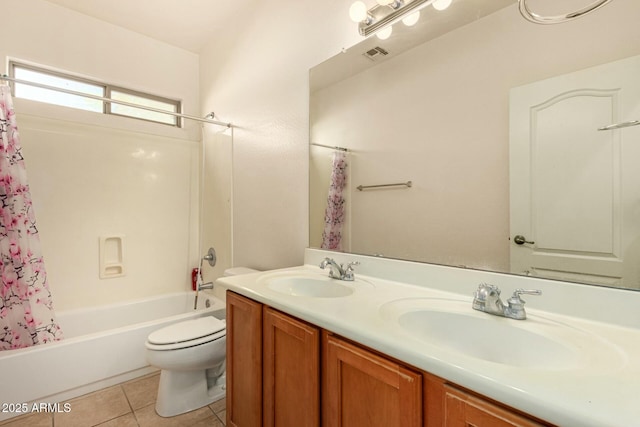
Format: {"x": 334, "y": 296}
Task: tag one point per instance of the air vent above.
{"x": 375, "y": 53}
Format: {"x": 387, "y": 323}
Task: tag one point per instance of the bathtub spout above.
{"x": 201, "y": 286}
{"x": 208, "y": 285}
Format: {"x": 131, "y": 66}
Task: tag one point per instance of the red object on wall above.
{"x": 194, "y": 279}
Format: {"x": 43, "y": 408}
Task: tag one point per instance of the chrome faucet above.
{"x": 339, "y": 271}
{"x": 208, "y": 285}
{"x": 487, "y": 298}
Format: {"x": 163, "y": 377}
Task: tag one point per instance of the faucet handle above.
{"x": 518, "y": 292}
{"x": 348, "y": 271}
{"x": 487, "y": 298}
{"x": 516, "y": 304}
{"x": 486, "y": 290}
{"x": 325, "y": 262}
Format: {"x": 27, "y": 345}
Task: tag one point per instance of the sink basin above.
{"x": 453, "y": 326}
{"x": 488, "y": 339}
{"x": 309, "y": 286}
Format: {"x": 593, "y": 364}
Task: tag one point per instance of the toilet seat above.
{"x": 188, "y": 333}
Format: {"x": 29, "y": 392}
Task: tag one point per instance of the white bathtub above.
{"x": 102, "y": 346}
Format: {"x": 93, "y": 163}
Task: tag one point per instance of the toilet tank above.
{"x": 235, "y": 271}
{"x": 220, "y": 290}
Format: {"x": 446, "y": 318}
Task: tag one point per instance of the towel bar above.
{"x": 403, "y": 184}
{"x": 621, "y": 125}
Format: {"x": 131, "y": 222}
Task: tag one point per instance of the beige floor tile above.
{"x": 212, "y": 421}
{"x": 219, "y": 405}
{"x": 128, "y": 420}
{"x": 222, "y": 415}
{"x": 112, "y": 407}
{"x": 147, "y": 417}
{"x": 220, "y": 409}
{"x": 41, "y": 419}
{"x": 94, "y": 408}
{"x": 142, "y": 392}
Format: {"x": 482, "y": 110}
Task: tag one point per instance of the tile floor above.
{"x": 130, "y": 404}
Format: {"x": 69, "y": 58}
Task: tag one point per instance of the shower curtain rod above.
{"x": 113, "y": 101}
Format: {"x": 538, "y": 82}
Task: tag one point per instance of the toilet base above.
{"x": 184, "y": 391}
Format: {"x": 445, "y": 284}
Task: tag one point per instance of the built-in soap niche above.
{"x": 112, "y": 256}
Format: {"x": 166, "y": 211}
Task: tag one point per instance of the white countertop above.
{"x": 603, "y": 389}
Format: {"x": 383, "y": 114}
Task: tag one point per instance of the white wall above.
{"x": 93, "y": 175}
{"x": 41, "y": 32}
{"x": 257, "y": 78}
{"x": 89, "y": 182}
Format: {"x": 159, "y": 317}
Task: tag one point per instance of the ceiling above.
{"x": 187, "y": 24}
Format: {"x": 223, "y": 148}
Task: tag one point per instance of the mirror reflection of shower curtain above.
{"x": 335, "y": 212}
{"x": 26, "y": 308}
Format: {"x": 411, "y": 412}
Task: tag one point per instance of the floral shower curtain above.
{"x": 26, "y": 308}
{"x": 335, "y": 213}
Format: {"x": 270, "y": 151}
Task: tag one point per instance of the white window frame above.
{"x": 107, "y": 89}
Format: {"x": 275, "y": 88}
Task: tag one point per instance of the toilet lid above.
{"x": 187, "y": 330}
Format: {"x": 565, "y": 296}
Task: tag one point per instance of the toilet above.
{"x": 191, "y": 357}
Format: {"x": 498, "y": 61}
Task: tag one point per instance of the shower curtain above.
{"x": 335, "y": 213}
{"x": 26, "y": 308}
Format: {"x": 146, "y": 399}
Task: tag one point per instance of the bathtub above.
{"x": 102, "y": 346}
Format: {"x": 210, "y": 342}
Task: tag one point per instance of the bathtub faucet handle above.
{"x": 211, "y": 257}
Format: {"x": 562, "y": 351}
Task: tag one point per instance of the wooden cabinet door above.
{"x": 291, "y": 371}
{"x": 363, "y": 389}
{"x": 244, "y": 361}
{"x": 465, "y": 410}
{"x": 433, "y": 395}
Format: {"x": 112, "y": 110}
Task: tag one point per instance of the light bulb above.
{"x": 385, "y": 33}
{"x": 358, "y": 11}
{"x": 384, "y": 2}
{"x": 411, "y": 19}
{"x": 441, "y": 4}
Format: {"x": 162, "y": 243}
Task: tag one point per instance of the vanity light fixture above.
{"x": 393, "y": 3}
{"x": 385, "y": 33}
{"x": 411, "y": 20}
{"x": 387, "y": 12}
{"x": 441, "y": 4}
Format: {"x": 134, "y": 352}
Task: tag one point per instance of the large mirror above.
{"x": 489, "y": 124}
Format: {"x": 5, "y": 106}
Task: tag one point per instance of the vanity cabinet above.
{"x": 284, "y": 372}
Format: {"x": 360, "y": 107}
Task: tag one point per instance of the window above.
{"x": 91, "y": 88}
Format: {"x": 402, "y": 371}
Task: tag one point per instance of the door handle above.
{"x": 521, "y": 240}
